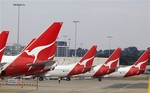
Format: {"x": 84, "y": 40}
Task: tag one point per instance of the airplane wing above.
{"x": 46, "y": 63}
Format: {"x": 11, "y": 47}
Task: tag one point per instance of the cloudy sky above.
{"x": 127, "y": 21}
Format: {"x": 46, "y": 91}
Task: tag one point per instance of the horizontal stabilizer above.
{"x": 90, "y": 67}
{"x": 46, "y": 63}
{"x": 113, "y": 68}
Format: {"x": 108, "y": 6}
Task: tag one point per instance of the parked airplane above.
{"x": 84, "y": 65}
{"x": 137, "y": 68}
{"x": 36, "y": 56}
{"x": 39, "y": 72}
{"x": 108, "y": 67}
{"x": 3, "y": 40}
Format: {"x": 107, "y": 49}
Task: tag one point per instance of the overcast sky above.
{"x": 128, "y": 21}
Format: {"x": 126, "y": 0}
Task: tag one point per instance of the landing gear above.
{"x": 33, "y": 77}
{"x": 18, "y": 77}
{"x": 68, "y": 79}
{"x": 41, "y": 78}
{"x": 100, "y": 79}
{"x": 3, "y": 73}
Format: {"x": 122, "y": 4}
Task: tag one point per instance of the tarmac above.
{"x": 80, "y": 86}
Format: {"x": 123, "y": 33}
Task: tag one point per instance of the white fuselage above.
{"x": 8, "y": 59}
{"x": 60, "y": 71}
{"x": 120, "y": 72}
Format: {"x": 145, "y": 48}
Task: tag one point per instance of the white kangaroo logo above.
{"x": 34, "y": 52}
{"x": 139, "y": 64}
{"x": 85, "y": 61}
{"x": 110, "y": 63}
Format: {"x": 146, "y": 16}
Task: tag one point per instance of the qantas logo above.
{"x": 34, "y": 52}
{"x": 139, "y": 64}
{"x": 110, "y": 63}
{"x": 85, "y": 61}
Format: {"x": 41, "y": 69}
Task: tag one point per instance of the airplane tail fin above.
{"x": 39, "y": 49}
{"x": 142, "y": 61}
{"x": 87, "y": 59}
{"x": 113, "y": 61}
{"x": 3, "y": 40}
{"x": 139, "y": 66}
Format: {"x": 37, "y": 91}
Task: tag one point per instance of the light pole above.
{"x": 75, "y": 36}
{"x": 81, "y": 48}
{"x": 57, "y": 46}
{"x": 69, "y": 48}
{"x": 109, "y": 37}
{"x": 65, "y": 47}
{"x": 18, "y": 5}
